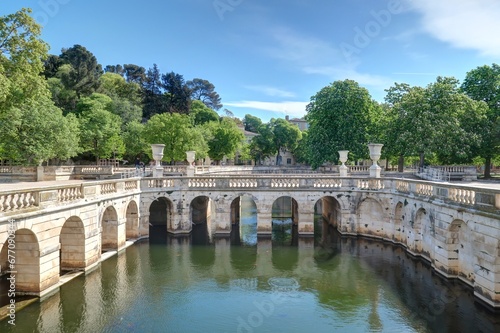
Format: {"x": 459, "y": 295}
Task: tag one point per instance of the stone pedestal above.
{"x": 190, "y": 155}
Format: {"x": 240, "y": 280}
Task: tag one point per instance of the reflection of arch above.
{"x": 72, "y": 239}
{"x": 27, "y": 261}
{"x": 160, "y": 217}
{"x": 461, "y": 250}
{"x": 371, "y": 217}
{"x": 285, "y": 258}
{"x": 398, "y": 222}
{"x": 132, "y": 216}
{"x": 202, "y": 257}
{"x": 109, "y": 234}
{"x": 243, "y": 258}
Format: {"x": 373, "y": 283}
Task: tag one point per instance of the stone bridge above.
{"x": 46, "y": 230}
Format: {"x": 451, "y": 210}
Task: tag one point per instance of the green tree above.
{"x": 175, "y": 131}
{"x": 134, "y": 73}
{"x": 33, "y": 129}
{"x": 436, "y": 120}
{"x": 134, "y": 140}
{"x": 177, "y": 95}
{"x": 201, "y": 114}
{"x": 483, "y": 84}
{"x": 204, "y": 91}
{"x": 251, "y": 123}
{"x": 85, "y": 71}
{"x": 340, "y": 118}
{"x": 262, "y": 145}
{"x": 152, "y": 94}
{"x": 225, "y": 140}
{"x": 285, "y": 136}
{"x": 100, "y": 128}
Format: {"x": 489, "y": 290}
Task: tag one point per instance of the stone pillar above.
{"x": 264, "y": 223}
{"x": 306, "y": 223}
{"x": 39, "y": 173}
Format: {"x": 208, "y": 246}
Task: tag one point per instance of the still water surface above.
{"x": 246, "y": 284}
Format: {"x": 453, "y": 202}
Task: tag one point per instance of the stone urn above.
{"x": 343, "y": 158}
{"x": 375, "y": 152}
{"x": 157, "y": 156}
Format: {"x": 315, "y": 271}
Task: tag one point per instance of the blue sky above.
{"x": 268, "y": 57}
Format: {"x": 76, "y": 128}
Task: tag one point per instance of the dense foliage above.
{"x": 56, "y": 107}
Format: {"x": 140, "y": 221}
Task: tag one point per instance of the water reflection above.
{"x": 347, "y": 284}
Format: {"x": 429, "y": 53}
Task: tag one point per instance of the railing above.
{"x": 136, "y": 172}
{"x": 447, "y": 173}
{"x": 12, "y": 201}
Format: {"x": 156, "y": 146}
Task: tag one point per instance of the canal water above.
{"x": 246, "y": 284}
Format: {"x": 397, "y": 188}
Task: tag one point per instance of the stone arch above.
{"x": 284, "y": 208}
{"x": 72, "y": 240}
{"x": 132, "y": 217}
{"x": 415, "y": 232}
{"x": 160, "y": 218}
{"x": 26, "y": 262}
{"x": 328, "y": 217}
{"x": 109, "y": 230}
{"x": 243, "y": 218}
{"x": 371, "y": 218}
{"x": 398, "y": 223}
{"x": 461, "y": 258}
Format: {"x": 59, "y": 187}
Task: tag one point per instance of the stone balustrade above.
{"x": 479, "y": 198}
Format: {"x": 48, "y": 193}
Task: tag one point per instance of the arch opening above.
{"x": 243, "y": 221}
{"x": 72, "y": 240}
{"x": 160, "y": 216}
{"x": 284, "y": 217}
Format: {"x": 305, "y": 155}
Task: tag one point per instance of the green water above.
{"x": 354, "y": 285}
{"x": 248, "y": 284}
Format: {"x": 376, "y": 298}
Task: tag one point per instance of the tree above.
{"x": 285, "y": 136}
{"x": 483, "y": 84}
{"x": 85, "y": 70}
{"x": 433, "y": 120}
{"x": 201, "y": 114}
{"x": 339, "y": 116}
{"x": 262, "y": 145}
{"x": 134, "y": 73}
{"x": 33, "y": 129}
{"x": 204, "y": 91}
{"x": 134, "y": 140}
{"x": 100, "y": 128}
{"x": 177, "y": 93}
{"x": 152, "y": 94}
{"x": 252, "y": 123}
{"x": 116, "y": 69}
{"x": 226, "y": 138}
{"x": 175, "y": 131}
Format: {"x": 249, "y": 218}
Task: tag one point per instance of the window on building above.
{"x": 288, "y": 161}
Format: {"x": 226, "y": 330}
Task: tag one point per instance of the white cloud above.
{"x": 351, "y": 74}
{"x": 297, "y": 109}
{"x": 271, "y": 91}
{"x": 470, "y": 24}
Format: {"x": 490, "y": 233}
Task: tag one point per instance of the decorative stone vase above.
{"x": 157, "y": 156}
{"x": 157, "y": 153}
{"x": 343, "y": 158}
{"x": 375, "y": 152}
